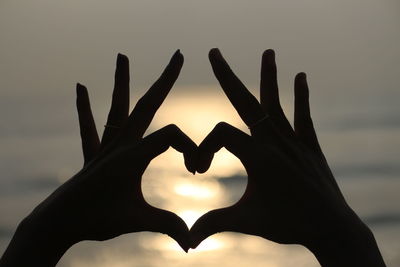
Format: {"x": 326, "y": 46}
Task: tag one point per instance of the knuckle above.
{"x": 172, "y": 128}
{"x": 222, "y": 126}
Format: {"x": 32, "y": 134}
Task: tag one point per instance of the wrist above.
{"x": 36, "y": 244}
{"x": 349, "y": 245}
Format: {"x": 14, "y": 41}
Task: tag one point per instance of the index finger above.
{"x": 120, "y": 101}
{"x": 87, "y": 126}
{"x": 145, "y": 109}
{"x": 245, "y": 103}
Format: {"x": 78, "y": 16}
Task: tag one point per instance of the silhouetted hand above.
{"x": 291, "y": 196}
{"x": 130, "y": 212}
{"x": 104, "y": 199}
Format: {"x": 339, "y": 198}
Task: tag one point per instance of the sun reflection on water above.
{"x": 193, "y": 191}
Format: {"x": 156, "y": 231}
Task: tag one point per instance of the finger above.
{"x": 303, "y": 124}
{"x": 244, "y": 102}
{"x": 145, "y": 109}
{"x": 120, "y": 101}
{"x": 269, "y": 92}
{"x": 224, "y": 135}
{"x": 165, "y": 222}
{"x": 159, "y": 141}
{"x": 89, "y": 136}
{"x": 216, "y": 221}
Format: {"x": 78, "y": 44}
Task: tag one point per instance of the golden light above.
{"x": 193, "y": 191}
{"x": 196, "y": 114}
{"x": 211, "y": 243}
{"x": 190, "y": 216}
{"x": 224, "y": 164}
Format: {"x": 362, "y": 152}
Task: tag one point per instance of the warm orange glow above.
{"x": 197, "y": 113}
{"x": 190, "y": 216}
{"x": 211, "y": 243}
{"x": 193, "y": 191}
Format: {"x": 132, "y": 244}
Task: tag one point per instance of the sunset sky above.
{"x": 349, "y": 50}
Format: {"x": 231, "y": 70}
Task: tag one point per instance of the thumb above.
{"x": 166, "y": 222}
{"x": 215, "y": 221}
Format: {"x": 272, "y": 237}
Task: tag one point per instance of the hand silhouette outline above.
{"x": 104, "y": 199}
{"x": 124, "y": 130}
{"x": 291, "y": 196}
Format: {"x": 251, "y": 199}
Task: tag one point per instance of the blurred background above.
{"x": 349, "y": 49}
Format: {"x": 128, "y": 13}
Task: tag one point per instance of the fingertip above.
{"x": 195, "y": 244}
{"x": 269, "y": 52}
{"x": 80, "y": 90}
{"x": 79, "y": 86}
{"x": 203, "y": 159}
{"x": 204, "y": 162}
{"x": 201, "y": 169}
{"x": 190, "y": 164}
{"x": 195, "y": 238}
{"x": 122, "y": 69}
{"x": 177, "y": 57}
{"x": 213, "y": 50}
{"x": 301, "y": 75}
{"x": 301, "y": 81}
{"x": 184, "y": 242}
{"x": 176, "y": 62}
{"x": 214, "y": 53}
{"x": 181, "y": 59}
{"x": 178, "y": 52}
{"x": 122, "y": 58}
{"x": 206, "y": 226}
{"x": 269, "y": 56}
{"x": 171, "y": 224}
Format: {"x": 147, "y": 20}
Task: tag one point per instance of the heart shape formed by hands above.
{"x": 290, "y": 193}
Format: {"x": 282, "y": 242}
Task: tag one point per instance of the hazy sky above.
{"x": 52, "y": 44}
{"x": 349, "y": 49}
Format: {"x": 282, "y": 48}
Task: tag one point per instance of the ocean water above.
{"x": 349, "y": 50}
{"x": 362, "y": 153}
